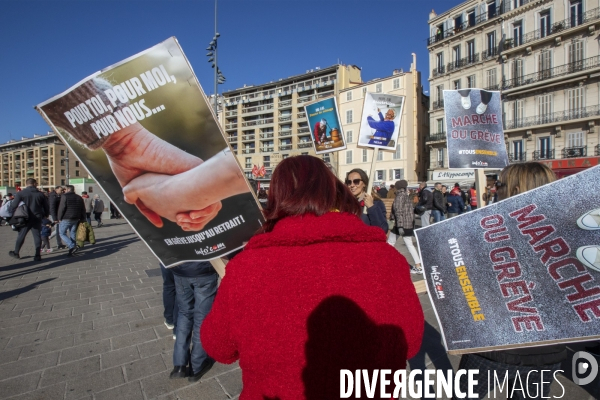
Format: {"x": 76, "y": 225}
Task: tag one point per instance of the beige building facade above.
{"x": 408, "y": 160}
{"x": 543, "y": 55}
{"x": 266, "y": 123}
{"x": 42, "y": 158}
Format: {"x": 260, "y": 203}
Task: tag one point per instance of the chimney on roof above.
{"x": 432, "y": 14}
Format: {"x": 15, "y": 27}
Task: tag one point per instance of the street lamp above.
{"x": 212, "y": 58}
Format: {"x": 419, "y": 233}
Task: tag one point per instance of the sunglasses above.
{"x": 355, "y": 181}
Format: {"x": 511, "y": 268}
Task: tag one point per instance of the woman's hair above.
{"x": 375, "y": 195}
{"x": 363, "y": 175}
{"x": 519, "y": 178}
{"x": 304, "y": 185}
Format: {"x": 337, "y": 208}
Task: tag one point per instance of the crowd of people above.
{"x": 304, "y": 299}
{"x": 50, "y": 213}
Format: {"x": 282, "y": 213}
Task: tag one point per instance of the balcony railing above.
{"x": 597, "y": 150}
{"x": 232, "y": 138}
{"x": 266, "y": 135}
{"x": 231, "y": 113}
{"x": 231, "y": 126}
{"x": 440, "y": 70}
{"x": 493, "y": 87}
{"x": 490, "y": 54}
{"x": 285, "y": 119}
{"x": 305, "y": 99}
{"x": 556, "y": 27}
{"x": 439, "y": 163}
{"x": 267, "y": 149}
{"x": 285, "y": 103}
{"x": 438, "y": 104}
{"x": 571, "y": 152}
{"x": 301, "y": 115}
{"x": 257, "y": 108}
{"x": 517, "y": 157}
{"x": 248, "y": 151}
{"x": 258, "y": 122}
{"x": 303, "y": 145}
{"x": 286, "y": 133}
{"x": 246, "y": 138}
{"x": 324, "y": 94}
{"x": 303, "y": 130}
{"x": 543, "y": 155}
{"x": 582, "y": 65}
{"x": 462, "y": 63}
{"x": 558, "y": 116}
{"x": 436, "y": 136}
{"x": 441, "y": 35}
{"x": 285, "y": 147}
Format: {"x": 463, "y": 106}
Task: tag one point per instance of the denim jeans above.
{"x": 88, "y": 217}
{"x": 195, "y": 297}
{"x": 68, "y": 230}
{"x": 437, "y": 216}
{"x": 169, "y": 297}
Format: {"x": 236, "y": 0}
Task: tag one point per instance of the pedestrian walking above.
{"x": 5, "y": 210}
{"x": 196, "y": 287}
{"x": 404, "y": 214}
{"x": 46, "y": 232}
{"x": 425, "y": 200}
{"x": 71, "y": 211}
{"x": 439, "y": 204}
{"x": 98, "y": 210}
{"x": 316, "y": 291}
{"x": 38, "y": 208}
{"x": 53, "y": 202}
{"x": 89, "y": 206}
{"x": 456, "y": 206}
{"x": 169, "y": 299}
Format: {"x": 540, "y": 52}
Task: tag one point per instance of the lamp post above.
{"x": 212, "y": 58}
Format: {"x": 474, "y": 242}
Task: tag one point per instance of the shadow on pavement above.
{"x": 21, "y": 290}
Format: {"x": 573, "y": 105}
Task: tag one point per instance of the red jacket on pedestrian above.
{"x": 311, "y": 297}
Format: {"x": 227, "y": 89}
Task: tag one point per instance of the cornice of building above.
{"x": 445, "y": 14}
{"x": 376, "y": 80}
{"x": 39, "y": 138}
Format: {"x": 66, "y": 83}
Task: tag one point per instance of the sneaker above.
{"x": 76, "y": 249}
{"x": 62, "y": 247}
{"x": 481, "y": 108}
{"x": 589, "y": 256}
{"x": 14, "y": 255}
{"x": 590, "y": 220}
{"x": 415, "y": 270}
{"x": 49, "y": 251}
{"x": 466, "y": 102}
{"x": 169, "y": 326}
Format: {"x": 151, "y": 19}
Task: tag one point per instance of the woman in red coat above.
{"x": 305, "y": 299}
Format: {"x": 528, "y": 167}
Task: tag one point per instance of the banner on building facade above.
{"x": 325, "y": 126}
{"x": 146, "y": 133}
{"x": 380, "y": 121}
{"x": 521, "y": 272}
{"x": 475, "y": 137}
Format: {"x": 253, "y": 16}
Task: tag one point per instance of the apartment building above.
{"x": 266, "y": 123}
{"x": 42, "y": 157}
{"x": 408, "y": 160}
{"x": 543, "y": 56}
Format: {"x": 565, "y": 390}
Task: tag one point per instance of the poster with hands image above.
{"x": 144, "y": 130}
{"x": 380, "y": 121}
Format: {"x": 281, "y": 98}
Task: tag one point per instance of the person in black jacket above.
{"x": 71, "y": 211}
{"x": 53, "y": 202}
{"x": 425, "y": 200}
{"x": 37, "y": 205}
{"x": 439, "y": 204}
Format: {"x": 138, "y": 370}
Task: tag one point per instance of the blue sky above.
{"x": 49, "y": 45}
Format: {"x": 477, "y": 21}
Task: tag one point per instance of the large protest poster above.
{"x": 325, "y": 128}
{"x": 521, "y": 272}
{"x": 380, "y": 121}
{"x": 475, "y": 137}
{"x": 146, "y": 133}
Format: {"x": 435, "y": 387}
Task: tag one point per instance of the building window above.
{"x": 576, "y": 11}
{"x": 349, "y": 96}
{"x": 545, "y": 107}
{"x": 396, "y": 83}
{"x": 575, "y": 97}
{"x": 456, "y": 84}
{"x": 440, "y": 157}
{"x": 398, "y": 173}
{"x": 398, "y": 152}
{"x": 576, "y": 56}
{"x": 364, "y": 91}
{"x": 76, "y": 172}
{"x": 62, "y": 172}
{"x": 364, "y": 155}
{"x": 471, "y": 81}
{"x": 62, "y": 152}
{"x": 77, "y": 163}
{"x": 575, "y": 139}
{"x": 517, "y": 71}
{"x": 491, "y": 9}
{"x": 456, "y": 55}
{"x": 349, "y": 136}
{"x": 471, "y": 51}
{"x": 62, "y": 162}
{"x": 440, "y": 62}
{"x": 439, "y": 93}
{"x": 544, "y": 64}
{"x": 348, "y": 116}
{"x": 440, "y": 125}
{"x": 349, "y": 157}
{"x": 491, "y": 78}
{"x": 518, "y": 112}
{"x": 545, "y": 23}
{"x": 267, "y": 161}
{"x": 518, "y": 33}
{"x": 62, "y": 182}
{"x": 379, "y": 155}
{"x": 326, "y": 158}
{"x": 380, "y": 175}
{"x": 517, "y": 150}
{"x": 491, "y": 43}
{"x": 545, "y": 152}
{"x": 378, "y": 88}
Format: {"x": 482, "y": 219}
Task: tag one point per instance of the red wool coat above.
{"x": 315, "y": 295}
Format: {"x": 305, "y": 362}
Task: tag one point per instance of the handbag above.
{"x": 420, "y": 210}
{"x": 20, "y": 216}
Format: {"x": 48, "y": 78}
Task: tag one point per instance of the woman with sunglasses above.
{"x": 374, "y": 212}
{"x": 304, "y": 299}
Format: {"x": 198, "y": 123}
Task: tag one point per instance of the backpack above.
{"x": 5, "y": 210}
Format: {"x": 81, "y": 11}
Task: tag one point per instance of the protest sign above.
{"x": 522, "y": 272}
{"x": 145, "y": 132}
{"x": 380, "y": 121}
{"x": 475, "y": 137}
{"x": 325, "y": 127}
